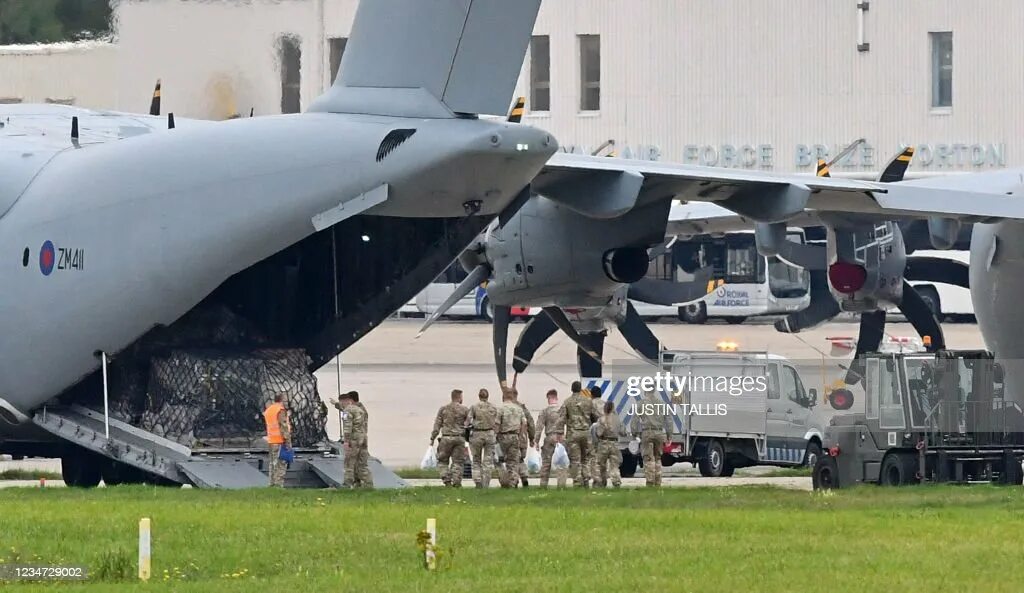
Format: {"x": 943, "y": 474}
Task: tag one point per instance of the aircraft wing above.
{"x": 49, "y": 126}
{"x": 707, "y": 218}
{"x": 973, "y": 198}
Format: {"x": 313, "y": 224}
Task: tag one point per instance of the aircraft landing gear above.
{"x": 80, "y": 468}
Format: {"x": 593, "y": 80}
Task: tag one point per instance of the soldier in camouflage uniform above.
{"x": 511, "y": 428}
{"x": 527, "y": 441}
{"x": 354, "y": 434}
{"x": 608, "y": 430}
{"x": 598, "y": 404}
{"x": 655, "y": 427}
{"x": 579, "y": 415}
{"x": 550, "y": 424}
{"x": 482, "y": 421}
{"x": 451, "y": 425}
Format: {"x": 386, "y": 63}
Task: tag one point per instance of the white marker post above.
{"x": 430, "y": 556}
{"x": 145, "y": 550}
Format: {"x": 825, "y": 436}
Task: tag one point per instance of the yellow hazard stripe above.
{"x": 903, "y": 158}
{"x": 156, "y": 94}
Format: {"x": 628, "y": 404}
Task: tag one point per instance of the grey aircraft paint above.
{"x": 129, "y": 234}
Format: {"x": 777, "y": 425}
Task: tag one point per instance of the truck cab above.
{"x": 927, "y": 417}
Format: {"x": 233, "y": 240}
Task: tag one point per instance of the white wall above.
{"x": 786, "y": 72}
{"x": 85, "y": 72}
{"x": 682, "y": 76}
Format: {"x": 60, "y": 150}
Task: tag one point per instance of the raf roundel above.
{"x": 47, "y": 258}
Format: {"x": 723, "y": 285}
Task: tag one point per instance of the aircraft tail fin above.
{"x": 432, "y": 59}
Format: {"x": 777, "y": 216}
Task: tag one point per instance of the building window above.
{"x": 540, "y": 73}
{"x": 290, "y": 57}
{"x": 337, "y": 50}
{"x": 590, "y": 72}
{"x": 942, "y": 69}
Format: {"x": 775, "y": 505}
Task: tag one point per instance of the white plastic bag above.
{"x": 532, "y": 460}
{"x": 429, "y": 459}
{"x": 560, "y": 459}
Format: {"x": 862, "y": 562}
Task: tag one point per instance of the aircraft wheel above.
{"x": 115, "y": 473}
{"x": 80, "y": 469}
{"x": 825, "y": 475}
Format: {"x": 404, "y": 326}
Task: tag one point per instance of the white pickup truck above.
{"x": 767, "y": 422}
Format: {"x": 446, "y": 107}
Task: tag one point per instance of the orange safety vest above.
{"x": 270, "y": 416}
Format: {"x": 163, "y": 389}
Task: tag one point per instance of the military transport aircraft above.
{"x": 312, "y": 228}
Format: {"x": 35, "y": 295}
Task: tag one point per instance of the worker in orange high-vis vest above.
{"x": 279, "y": 434}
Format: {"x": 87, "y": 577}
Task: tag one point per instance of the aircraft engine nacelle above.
{"x": 866, "y": 267}
{"x": 549, "y": 253}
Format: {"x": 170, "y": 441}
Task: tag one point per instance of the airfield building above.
{"x": 768, "y": 85}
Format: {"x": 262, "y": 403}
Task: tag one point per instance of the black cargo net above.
{"x": 214, "y": 396}
{"x": 217, "y": 399}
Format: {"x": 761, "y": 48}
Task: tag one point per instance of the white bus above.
{"x": 949, "y": 302}
{"x": 746, "y": 283}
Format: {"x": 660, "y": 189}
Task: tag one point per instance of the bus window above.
{"x": 661, "y": 267}
{"x": 742, "y": 264}
{"x": 786, "y": 281}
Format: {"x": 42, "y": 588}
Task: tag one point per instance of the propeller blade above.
{"x": 515, "y": 115}
{"x": 898, "y": 166}
{"x": 662, "y": 249}
{"x": 872, "y": 329}
{"x": 920, "y": 315}
{"x": 809, "y": 257}
{"x": 154, "y": 106}
{"x": 502, "y": 317}
{"x": 821, "y": 308}
{"x": 668, "y": 293}
{"x": 536, "y": 332}
{"x": 559, "y": 319}
{"x": 589, "y": 367}
{"x": 638, "y": 335}
{"x": 513, "y": 208}
{"x": 936, "y": 269}
{"x": 474, "y": 279}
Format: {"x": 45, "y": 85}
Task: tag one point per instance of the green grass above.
{"x": 28, "y": 474}
{"x": 415, "y": 473}
{"x": 737, "y": 539}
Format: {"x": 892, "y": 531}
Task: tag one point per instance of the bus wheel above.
{"x": 825, "y": 475}
{"x": 694, "y": 313}
{"x": 735, "y": 320}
